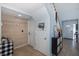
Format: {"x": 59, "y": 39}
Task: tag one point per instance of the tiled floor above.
{"x": 70, "y": 48}
{"x": 27, "y": 51}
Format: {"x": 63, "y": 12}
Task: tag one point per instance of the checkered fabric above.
{"x": 6, "y": 47}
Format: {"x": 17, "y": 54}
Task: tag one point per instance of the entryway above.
{"x": 27, "y": 30}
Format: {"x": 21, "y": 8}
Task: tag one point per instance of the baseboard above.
{"x": 20, "y": 46}
{"x": 68, "y": 38}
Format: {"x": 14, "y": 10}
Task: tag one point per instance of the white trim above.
{"x": 28, "y": 31}
{"x": 20, "y": 46}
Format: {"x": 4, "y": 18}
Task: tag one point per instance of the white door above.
{"x": 42, "y": 39}
{"x": 31, "y": 38}
{"x": 42, "y": 42}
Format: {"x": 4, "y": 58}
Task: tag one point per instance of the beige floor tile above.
{"x": 27, "y": 51}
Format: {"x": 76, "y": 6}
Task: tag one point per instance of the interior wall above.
{"x": 51, "y": 12}
{"x": 12, "y": 28}
{"x": 42, "y": 37}
{"x": 67, "y": 11}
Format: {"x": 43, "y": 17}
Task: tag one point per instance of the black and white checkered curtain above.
{"x": 6, "y": 47}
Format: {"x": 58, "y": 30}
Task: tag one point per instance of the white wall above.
{"x": 67, "y": 11}
{"x": 42, "y": 45}
{"x": 45, "y": 14}
{"x": 51, "y": 12}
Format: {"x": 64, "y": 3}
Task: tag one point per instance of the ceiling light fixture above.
{"x": 19, "y": 15}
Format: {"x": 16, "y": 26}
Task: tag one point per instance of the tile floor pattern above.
{"x": 27, "y": 51}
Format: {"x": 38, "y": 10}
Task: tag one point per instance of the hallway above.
{"x": 70, "y": 48}
{"x": 27, "y": 51}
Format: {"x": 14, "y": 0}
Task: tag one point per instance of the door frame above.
{"x": 31, "y": 33}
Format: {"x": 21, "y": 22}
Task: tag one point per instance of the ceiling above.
{"x": 21, "y": 8}
{"x": 67, "y": 11}
{"x": 9, "y": 12}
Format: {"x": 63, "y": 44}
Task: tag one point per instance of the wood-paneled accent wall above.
{"x": 15, "y": 29}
